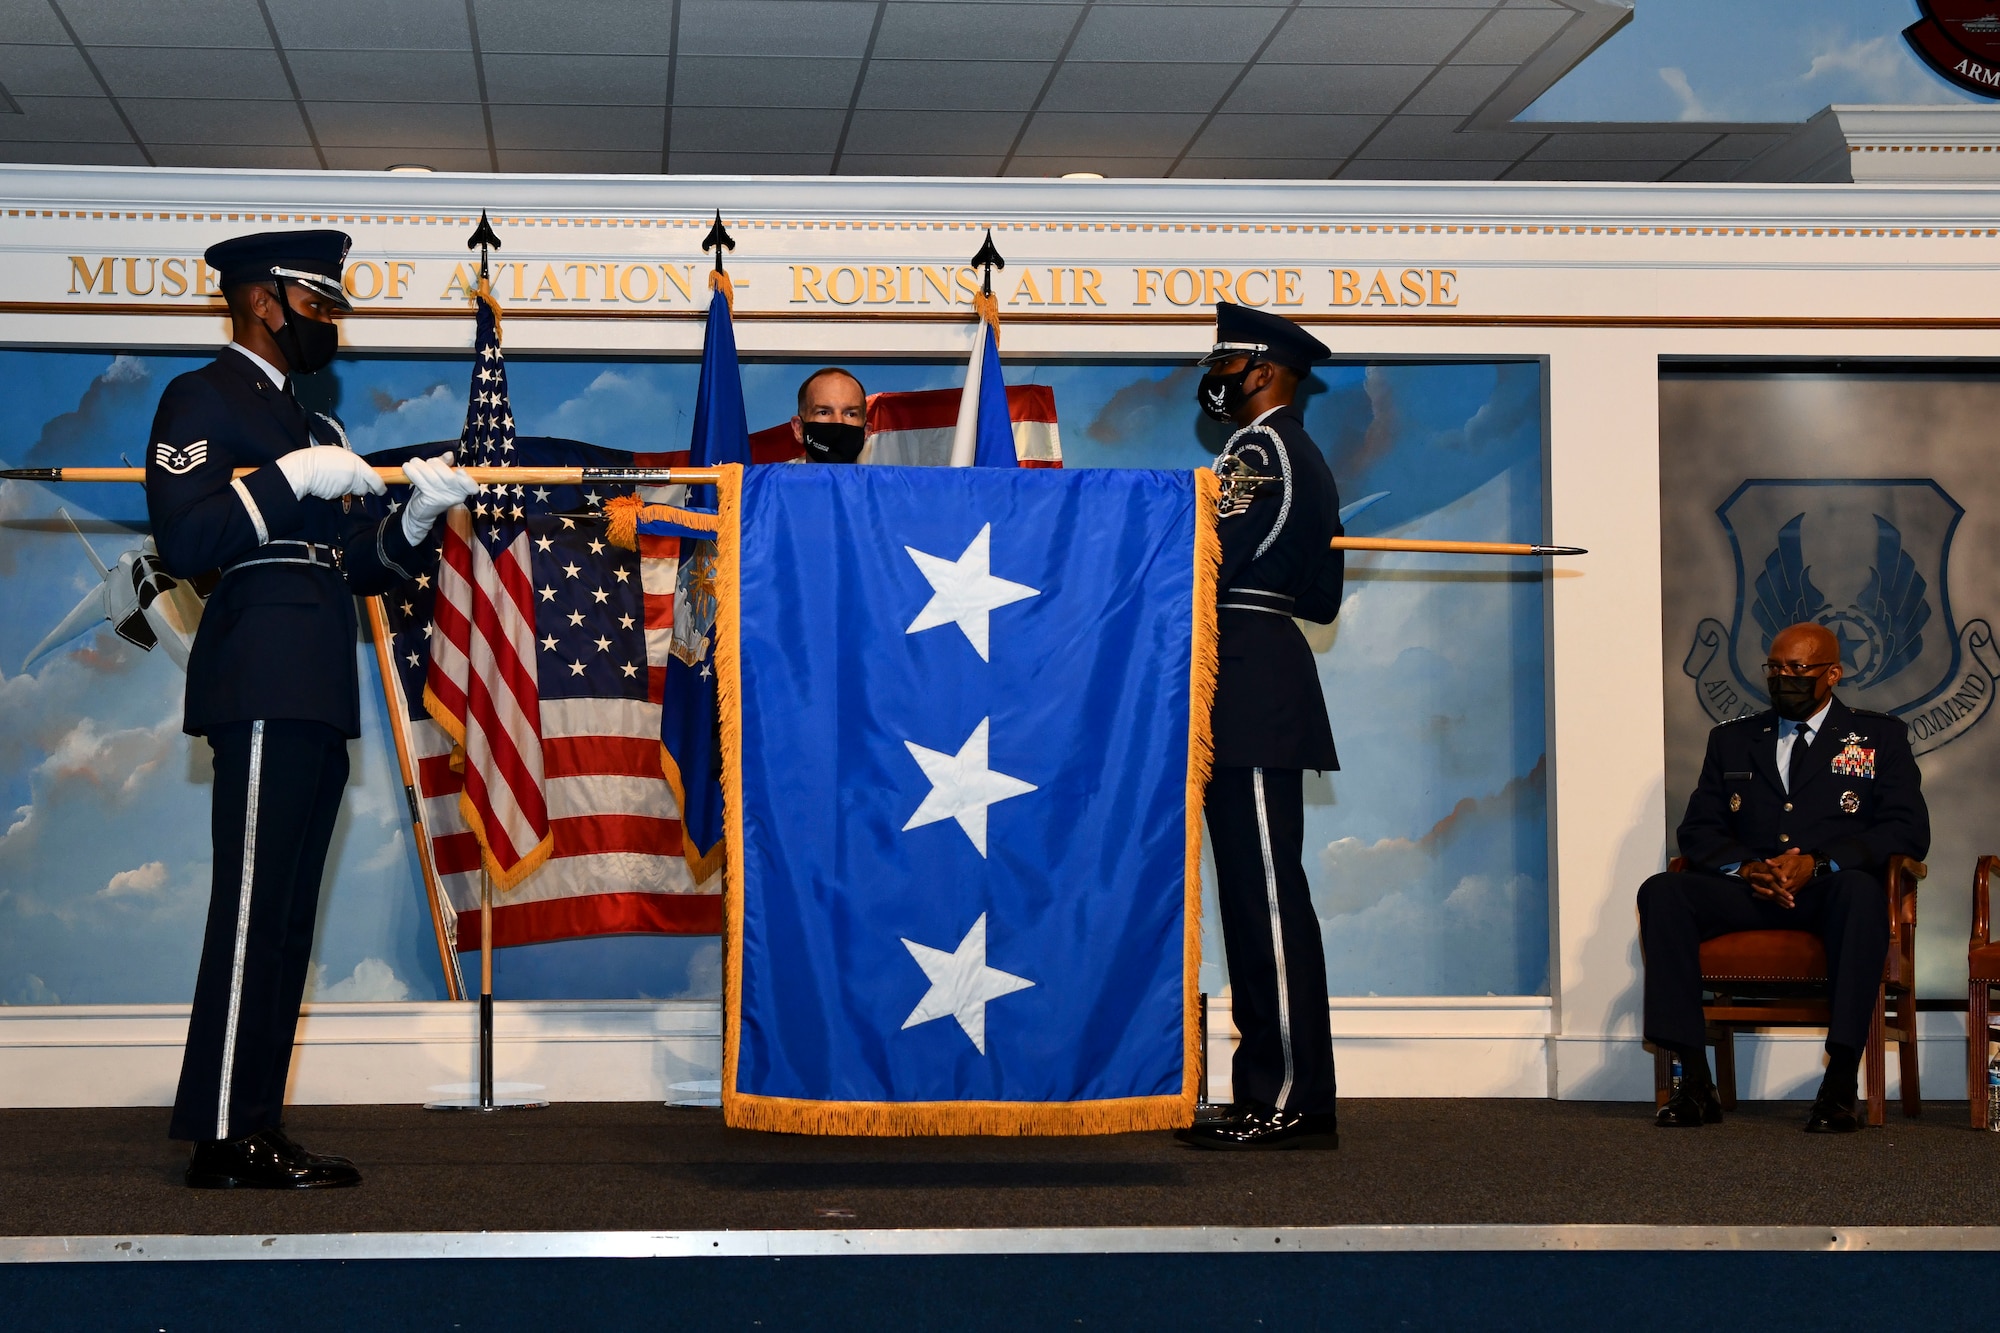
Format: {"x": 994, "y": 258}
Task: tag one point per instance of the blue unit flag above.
{"x": 965, "y": 736}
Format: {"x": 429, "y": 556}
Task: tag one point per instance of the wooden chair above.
{"x": 1777, "y": 978}
{"x": 1982, "y": 967}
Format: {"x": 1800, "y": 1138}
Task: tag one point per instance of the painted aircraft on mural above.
{"x": 146, "y": 605}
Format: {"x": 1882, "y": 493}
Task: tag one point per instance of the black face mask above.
{"x": 308, "y": 344}
{"x": 1795, "y": 697}
{"x": 1221, "y": 395}
{"x": 832, "y": 441}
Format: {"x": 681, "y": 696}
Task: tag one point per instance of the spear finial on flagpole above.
{"x": 483, "y": 239}
{"x": 719, "y": 239}
{"x": 986, "y": 261}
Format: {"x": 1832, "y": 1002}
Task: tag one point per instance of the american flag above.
{"x": 482, "y": 686}
{"x": 602, "y": 630}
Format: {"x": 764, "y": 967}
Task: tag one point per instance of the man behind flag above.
{"x": 690, "y": 749}
{"x": 964, "y": 848}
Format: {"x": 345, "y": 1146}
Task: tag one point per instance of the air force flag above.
{"x": 965, "y": 736}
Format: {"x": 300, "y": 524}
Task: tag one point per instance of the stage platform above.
{"x": 1433, "y": 1210}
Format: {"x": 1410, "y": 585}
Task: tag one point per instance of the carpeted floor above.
{"x": 637, "y": 1166}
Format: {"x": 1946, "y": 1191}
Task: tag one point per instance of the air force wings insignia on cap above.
{"x": 186, "y": 458}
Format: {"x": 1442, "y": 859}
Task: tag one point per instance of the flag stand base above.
{"x": 486, "y": 1101}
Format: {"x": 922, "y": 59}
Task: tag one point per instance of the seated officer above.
{"x": 1796, "y": 813}
{"x": 833, "y": 416}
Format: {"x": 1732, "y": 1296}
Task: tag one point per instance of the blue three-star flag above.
{"x": 965, "y": 736}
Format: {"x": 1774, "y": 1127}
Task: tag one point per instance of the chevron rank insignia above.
{"x": 1854, "y": 761}
{"x": 184, "y": 459}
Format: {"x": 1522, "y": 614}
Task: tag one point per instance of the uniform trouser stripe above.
{"x": 1277, "y": 938}
{"x": 242, "y": 929}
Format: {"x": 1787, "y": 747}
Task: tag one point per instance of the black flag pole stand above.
{"x": 486, "y": 1101}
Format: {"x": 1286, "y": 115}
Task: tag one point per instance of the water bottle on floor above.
{"x": 1993, "y": 1093}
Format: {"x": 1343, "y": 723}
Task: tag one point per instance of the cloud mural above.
{"x": 1431, "y": 868}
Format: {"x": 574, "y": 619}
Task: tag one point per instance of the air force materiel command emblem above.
{"x": 186, "y": 458}
{"x": 1850, "y": 803}
{"x": 1867, "y": 559}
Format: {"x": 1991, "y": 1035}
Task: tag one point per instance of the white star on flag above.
{"x": 962, "y": 786}
{"x": 961, "y": 984}
{"x": 964, "y": 590}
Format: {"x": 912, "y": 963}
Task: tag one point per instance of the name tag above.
{"x": 1737, "y": 777}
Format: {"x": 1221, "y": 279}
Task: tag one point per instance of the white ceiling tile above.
{"x": 1325, "y": 89}
{"x": 947, "y": 85}
{"x": 398, "y": 124}
{"x": 872, "y": 164}
{"x": 605, "y": 27}
{"x": 1054, "y": 133}
{"x": 1411, "y": 137}
{"x": 584, "y": 128}
{"x": 65, "y": 120}
{"x": 385, "y": 76}
{"x": 932, "y": 31}
{"x": 597, "y": 162}
{"x": 775, "y": 27}
{"x": 751, "y": 164}
{"x": 1740, "y": 147}
{"x": 160, "y": 71}
{"x": 124, "y": 153}
{"x": 582, "y": 80}
{"x": 1284, "y": 136}
{"x": 1111, "y": 168}
{"x": 1621, "y": 147}
{"x": 1510, "y": 36}
{"x": 1424, "y": 169}
{"x": 344, "y": 158}
{"x": 46, "y": 71}
{"x": 262, "y": 157}
{"x": 1255, "y": 168}
{"x": 1371, "y": 36}
{"x": 385, "y": 25}
{"x": 1592, "y": 171}
{"x": 192, "y": 121}
{"x": 167, "y": 22}
{"x": 31, "y": 21}
{"x": 1459, "y": 90}
{"x": 1107, "y": 86}
{"x": 747, "y": 130}
{"x": 934, "y": 132}
{"x": 789, "y": 81}
{"x": 1161, "y": 33}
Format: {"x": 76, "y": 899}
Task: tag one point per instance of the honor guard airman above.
{"x": 272, "y": 679}
{"x": 1279, "y": 511}
{"x": 1797, "y": 811}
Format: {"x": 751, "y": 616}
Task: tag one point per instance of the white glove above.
{"x": 435, "y": 486}
{"x": 329, "y": 472}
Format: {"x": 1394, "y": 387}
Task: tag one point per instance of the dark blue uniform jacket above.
{"x": 276, "y": 640}
{"x": 1859, "y": 803}
{"x": 1269, "y": 711}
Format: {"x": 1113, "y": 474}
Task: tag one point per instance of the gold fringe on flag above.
{"x": 910, "y": 1119}
{"x": 624, "y": 513}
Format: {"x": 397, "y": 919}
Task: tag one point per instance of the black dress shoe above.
{"x": 1216, "y": 1113}
{"x": 1830, "y": 1115}
{"x": 1266, "y": 1130}
{"x": 1690, "y": 1109}
{"x": 265, "y": 1160}
{"x": 299, "y": 1153}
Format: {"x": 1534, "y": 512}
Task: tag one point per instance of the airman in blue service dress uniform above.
{"x": 1270, "y": 725}
{"x": 1796, "y": 813}
{"x": 272, "y": 682}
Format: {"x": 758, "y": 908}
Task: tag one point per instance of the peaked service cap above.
{"x": 1262, "y": 336}
{"x": 313, "y": 259}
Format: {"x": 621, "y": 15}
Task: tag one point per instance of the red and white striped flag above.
{"x": 481, "y": 687}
